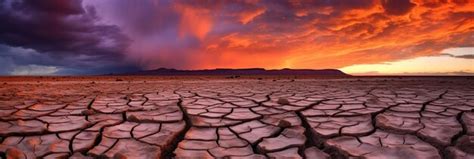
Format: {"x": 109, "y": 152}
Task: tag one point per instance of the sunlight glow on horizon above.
{"x": 428, "y": 65}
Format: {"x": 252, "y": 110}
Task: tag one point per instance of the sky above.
{"x": 362, "y": 37}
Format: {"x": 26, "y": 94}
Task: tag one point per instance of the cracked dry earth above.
{"x": 307, "y": 118}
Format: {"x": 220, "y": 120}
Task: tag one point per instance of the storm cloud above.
{"x": 57, "y": 33}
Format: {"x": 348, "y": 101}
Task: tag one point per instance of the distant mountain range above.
{"x": 245, "y": 71}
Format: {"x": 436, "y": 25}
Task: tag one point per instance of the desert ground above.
{"x": 219, "y": 117}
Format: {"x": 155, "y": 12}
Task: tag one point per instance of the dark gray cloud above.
{"x": 467, "y": 56}
{"x": 60, "y": 33}
{"x": 16, "y": 59}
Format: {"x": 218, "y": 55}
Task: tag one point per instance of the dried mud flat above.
{"x": 239, "y": 118}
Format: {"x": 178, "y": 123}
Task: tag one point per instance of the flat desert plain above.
{"x": 217, "y": 117}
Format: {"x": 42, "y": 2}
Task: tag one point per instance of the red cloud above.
{"x": 380, "y": 32}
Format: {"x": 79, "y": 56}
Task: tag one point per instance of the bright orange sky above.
{"x": 357, "y": 36}
{"x": 296, "y": 34}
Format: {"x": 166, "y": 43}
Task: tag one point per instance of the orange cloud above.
{"x": 194, "y": 20}
{"x": 299, "y": 33}
{"x": 248, "y": 16}
{"x": 373, "y": 34}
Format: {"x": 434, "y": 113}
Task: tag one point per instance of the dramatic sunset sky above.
{"x": 57, "y": 37}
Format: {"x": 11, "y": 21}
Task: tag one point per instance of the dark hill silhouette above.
{"x": 245, "y": 71}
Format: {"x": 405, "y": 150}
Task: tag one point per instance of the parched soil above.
{"x": 383, "y": 117}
